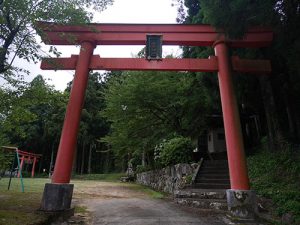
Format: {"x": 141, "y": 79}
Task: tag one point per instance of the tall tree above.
{"x": 145, "y": 107}
{"x": 92, "y": 125}
{"x": 277, "y": 91}
{"x": 18, "y": 30}
{"x": 32, "y": 117}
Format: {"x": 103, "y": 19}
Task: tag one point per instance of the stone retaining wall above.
{"x": 168, "y": 179}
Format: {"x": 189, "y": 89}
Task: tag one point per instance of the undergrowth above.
{"x": 276, "y": 175}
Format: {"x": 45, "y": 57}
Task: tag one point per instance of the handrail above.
{"x": 197, "y": 170}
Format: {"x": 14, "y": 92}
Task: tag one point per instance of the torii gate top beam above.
{"x": 135, "y": 34}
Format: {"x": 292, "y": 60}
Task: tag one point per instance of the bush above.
{"x": 176, "y": 150}
{"x": 141, "y": 168}
{"x": 276, "y": 175}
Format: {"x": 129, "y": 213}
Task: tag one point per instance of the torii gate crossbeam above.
{"x": 88, "y": 36}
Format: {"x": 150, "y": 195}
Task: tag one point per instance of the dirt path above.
{"x": 126, "y": 204}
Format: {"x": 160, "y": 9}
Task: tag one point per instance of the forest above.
{"x": 154, "y": 119}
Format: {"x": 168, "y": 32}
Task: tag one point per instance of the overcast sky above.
{"x": 122, "y": 11}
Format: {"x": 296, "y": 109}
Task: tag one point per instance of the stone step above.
{"x": 215, "y": 162}
{"x": 216, "y": 204}
{"x": 223, "y": 172}
{"x": 215, "y": 168}
{"x": 212, "y": 180}
{"x": 200, "y": 193}
{"x": 212, "y": 171}
{"x": 211, "y": 186}
{"x": 213, "y": 176}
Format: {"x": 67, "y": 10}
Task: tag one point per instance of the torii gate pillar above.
{"x": 58, "y": 195}
{"x": 240, "y": 199}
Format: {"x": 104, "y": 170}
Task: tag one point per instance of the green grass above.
{"x": 81, "y": 209}
{"x": 100, "y": 177}
{"x": 19, "y": 217}
{"x": 30, "y": 184}
{"x": 151, "y": 193}
{"x": 20, "y": 208}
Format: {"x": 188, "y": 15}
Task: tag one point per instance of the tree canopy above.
{"x": 273, "y": 97}
{"x": 18, "y": 30}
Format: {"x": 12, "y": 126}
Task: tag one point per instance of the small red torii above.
{"x": 28, "y": 157}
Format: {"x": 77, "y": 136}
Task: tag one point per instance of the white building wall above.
{"x": 216, "y": 140}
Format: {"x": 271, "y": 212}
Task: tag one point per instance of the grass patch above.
{"x": 30, "y": 184}
{"x": 81, "y": 209}
{"x": 151, "y": 193}
{"x": 20, "y": 208}
{"x": 276, "y": 176}
{"x": 19, "y": 217}
{"x": 100, "y": 177}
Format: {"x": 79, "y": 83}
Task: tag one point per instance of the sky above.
{"x": 122, "y": 11}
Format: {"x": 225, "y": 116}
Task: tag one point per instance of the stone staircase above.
{"x": 208, "y": 190}
{"x": 213, "y": 174}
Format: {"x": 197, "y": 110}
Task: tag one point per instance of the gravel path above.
{"x": 125, "y": 204}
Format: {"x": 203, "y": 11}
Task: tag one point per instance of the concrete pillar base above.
{"x": 242, "y": 205}
{"x": 57, "y": 197}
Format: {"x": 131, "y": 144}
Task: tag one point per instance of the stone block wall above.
{"x": 168, "y": 179}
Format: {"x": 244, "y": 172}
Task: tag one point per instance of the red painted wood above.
{"x": 97, "y": 63}
{"x": 135, "y": 34}
{"x": 33, "y": 167}
{"x": 23, "y": 153}
{"x": 234, "y": 140}
{"x": 196, "y": 65}
{"x": 21, "y": 165}
{"x": 66, "y": 149}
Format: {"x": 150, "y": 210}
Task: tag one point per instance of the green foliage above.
{"x": 6, "y": 160}
{"x": 145, "y": 107}
{"x": 176, "y": 150}
{"x": 93, "y": 127}
{"x": 261, "y": 96}
{"x": 18, "y": 23}
{"x": 277, "y": 176}
{"x": 32, "y": 115}
{"x": 189, "y": 179}
{"x": 235, "y": 17}
{"x": 141, "y": 168}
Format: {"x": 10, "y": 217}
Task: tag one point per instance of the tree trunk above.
{"x": 291, "y": 112}
{"x": 143, "y": 158}
{"x": 82, "y": 159}
{"x": 90, "y": 159}
{"x": 274, "y": 130}
{"x": 75, "y": 161}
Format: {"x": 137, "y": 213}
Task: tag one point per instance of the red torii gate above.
{"x": 90, "y": 35}
{"x": 29, "y": 158}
